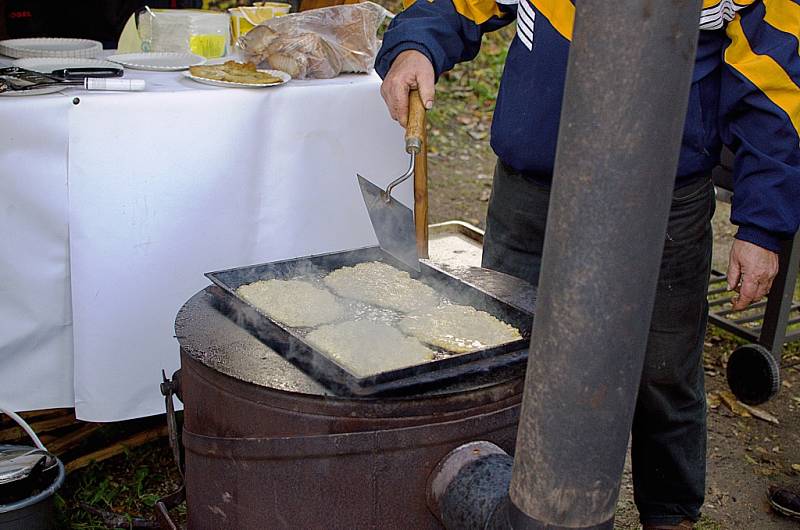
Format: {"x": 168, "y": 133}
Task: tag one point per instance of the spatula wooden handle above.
{"x": 416, "y": 142}
{"x": 415, "y": 127}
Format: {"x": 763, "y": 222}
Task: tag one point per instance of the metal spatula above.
{"x": 392, "y": 221}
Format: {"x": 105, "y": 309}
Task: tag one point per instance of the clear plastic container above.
{"x": 183, "y": 30}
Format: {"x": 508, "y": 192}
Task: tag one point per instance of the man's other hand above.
{"x": 410, "y": 70}
{"x": 751, "y": 270}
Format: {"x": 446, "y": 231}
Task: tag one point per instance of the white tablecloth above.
{"x": 113, "y": 207}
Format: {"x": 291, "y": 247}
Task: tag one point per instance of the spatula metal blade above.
{"x": 393, "y": 223}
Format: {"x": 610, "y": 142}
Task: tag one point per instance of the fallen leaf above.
{"x": 478, "y": 135}
{"x": 733, "y": 404}
{"x": 712, "y": 399}
{"x": 485, "y": 194}
{"x": 765, "y": 455}
{"x": 760, "y": 414}
{"x": 765, "y": 471}
{"x": 751, "y": 460}
{"x": 796, "y": 468}
{"x": 786, "y": 384}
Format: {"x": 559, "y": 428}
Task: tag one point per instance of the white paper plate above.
{"x": 284, "y": 78}
{"x": 46, "y": 65}
{"x": 158, "y": 61}
{"x": 47, "y": 47}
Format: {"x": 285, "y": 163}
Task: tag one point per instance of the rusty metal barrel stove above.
{"x": 267, "y": 447}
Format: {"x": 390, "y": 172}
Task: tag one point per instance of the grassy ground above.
{"x": 129, "y": 485}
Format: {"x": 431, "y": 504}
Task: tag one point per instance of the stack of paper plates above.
{"x": 50, "y": 47}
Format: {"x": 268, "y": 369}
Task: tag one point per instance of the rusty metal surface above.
{"x": 221, "y": 405}
{"x": 441, "y": 498}
{"x": 352, "y": 480}
{"x": 266, "y": 447}
{"x": 263, "y": 458}
{"x": 474, "y": 498}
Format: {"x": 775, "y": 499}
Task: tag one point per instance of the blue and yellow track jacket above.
{"x": 744, "y": 94}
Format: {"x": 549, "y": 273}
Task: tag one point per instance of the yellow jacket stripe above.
{"x": 560, "y": 14}
{"x": 783, "y": 15}
{"x": 763, "y": 72}
{"x": 478, "y": 11}
{"x": 707, "y": 4}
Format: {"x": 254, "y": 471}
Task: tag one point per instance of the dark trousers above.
{"x": 669, "y": 424}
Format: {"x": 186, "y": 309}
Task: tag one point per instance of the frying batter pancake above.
{"x": 458, "y": 328}
{"x": 294, "y": 303}
{"x": 382, "y": 285}
{"x": 365, "y": 347}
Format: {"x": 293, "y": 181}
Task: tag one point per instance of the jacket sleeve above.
{"x": 446, "y": 31}
{"x": 760, "y": 120}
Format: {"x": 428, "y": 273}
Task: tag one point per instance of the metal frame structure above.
{"x": 778, "y": 311}
{"x": 753, "y": 370}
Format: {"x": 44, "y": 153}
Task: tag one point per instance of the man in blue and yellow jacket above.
{"x": 745, "y": 94}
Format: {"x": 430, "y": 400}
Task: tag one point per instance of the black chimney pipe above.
{"x": 625, "y": 100}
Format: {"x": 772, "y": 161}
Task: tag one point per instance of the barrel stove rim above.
{"x": 418, "y": 405}
{"x": 338, "y": 443}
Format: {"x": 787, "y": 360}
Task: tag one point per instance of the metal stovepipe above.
{"x": 627, "y": 87}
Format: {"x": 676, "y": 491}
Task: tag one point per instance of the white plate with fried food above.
{"x": 158, "y": 61}
{"x": 236, "y": 75}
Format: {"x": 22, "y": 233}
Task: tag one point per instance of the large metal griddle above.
{"x": 289, "y": 342}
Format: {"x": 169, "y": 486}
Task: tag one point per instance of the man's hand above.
{"x": 751, "y": 270}
{"x": 410, "y": 70}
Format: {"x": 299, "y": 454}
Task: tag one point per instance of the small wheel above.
{"x": 753, "y": 374}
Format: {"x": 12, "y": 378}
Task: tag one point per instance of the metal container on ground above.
{"x": 36, "y": 512}
{"x": 27, "y": 489}
{"x": 268, "y": 447}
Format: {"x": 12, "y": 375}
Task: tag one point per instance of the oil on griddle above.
{"x": 290, "y": 341}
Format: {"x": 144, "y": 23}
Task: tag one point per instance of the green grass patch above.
{"x": 128, "y": 485}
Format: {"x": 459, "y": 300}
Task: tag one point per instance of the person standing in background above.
{"x": 745, "y": 94}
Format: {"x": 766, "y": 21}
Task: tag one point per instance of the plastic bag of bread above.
{"x": 320, "y": 43}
